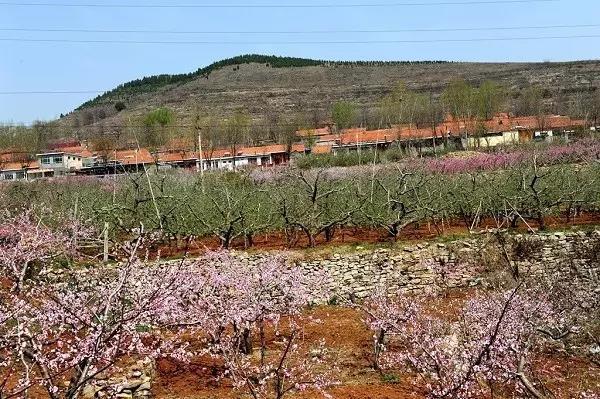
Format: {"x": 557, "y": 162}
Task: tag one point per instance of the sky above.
{"x": 29, "y": 66}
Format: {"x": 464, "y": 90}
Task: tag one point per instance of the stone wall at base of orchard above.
{"x": 466, "y": 262}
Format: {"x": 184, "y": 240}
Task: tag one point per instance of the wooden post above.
{"x": 105, "y": 258}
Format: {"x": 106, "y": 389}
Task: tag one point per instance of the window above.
{"x": 46, "y": 160}
{"x": 20, "y": 175}
{"x": 57, "y": 160}
{"x": 8, "y": 177}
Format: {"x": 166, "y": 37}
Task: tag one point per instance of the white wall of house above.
{"x": 545, "y": 135}
{"x": 39, "y": 174}
{"x": 61, "y": 161}
{"x": 226, "y": 163}
{"x": 13, "y": 175}
{"x": 506, "y": 138}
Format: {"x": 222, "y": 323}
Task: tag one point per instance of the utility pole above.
{"x": 201, "y": 157}
{"x": 200, "y": 164}
{"x": 433, "y": 124}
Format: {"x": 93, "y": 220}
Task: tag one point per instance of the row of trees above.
{"x": 466, "y": 102}
{"x": 161, "y": 129}
{"x": 315, "y": 204}
{"x": 29, "y": 139}
{"x": 64, "y": 334}
{"x": 60, "y": 335}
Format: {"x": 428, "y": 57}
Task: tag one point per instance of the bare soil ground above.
{"x": 351, "y": 344}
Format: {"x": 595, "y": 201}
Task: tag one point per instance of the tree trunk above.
{"x": 541, "y": 221}
{"x": 526, "y": 383}
{"x": 246, "y": 343}
{"x": 379, "y": 342}
{"x": 249, "y": 240}
{"x": 329, "y": 233}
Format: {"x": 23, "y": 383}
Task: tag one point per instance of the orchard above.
{"x": 85, "y": 289}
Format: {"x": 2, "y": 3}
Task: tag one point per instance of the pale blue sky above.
{"x": 50, "y": 66}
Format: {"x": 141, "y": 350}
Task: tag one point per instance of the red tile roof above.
{"x": 322, "y": 149}
{"x": 132, "y": 157}
{"x": 415, "y": 133}
{"x": 252, "y": 151}
{"x": 15, "y": 166}
{"x": 546, "y": 122}
{"x": 328, "y": 138}
{"x": 503, "y": 122}
{"x": 13, "y": 156}
{"x": 354, "y": 130}
{"x": 371, "y": 136}
{"x": 78, "y": 150}
{"x": 177, "y": 156}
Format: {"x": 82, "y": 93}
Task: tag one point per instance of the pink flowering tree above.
{"x": 489, "y": 343}
{"x": 12, "y": 381}
{"x": 385, "y": 315}
{"x": 64, "y": 336}
{"x": 239, "y": 306}
{"x": 26, "y": 243}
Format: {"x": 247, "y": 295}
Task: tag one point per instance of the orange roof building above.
{"x": 132, "y": 157}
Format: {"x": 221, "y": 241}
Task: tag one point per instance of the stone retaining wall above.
{"x": 427, "y": 266}
{"x": 134, "y": 383}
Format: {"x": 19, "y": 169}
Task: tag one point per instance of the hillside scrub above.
{"x": 286, "y": 90}
{"x": 151, "y": 83}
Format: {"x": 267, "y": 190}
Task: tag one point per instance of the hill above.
{"x": 274, "y": 89}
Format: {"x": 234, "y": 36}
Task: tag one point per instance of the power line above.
{"x": 414, "y": 30}
{"x": 407, "y": 41}
{"x": 52, "y": 92}
{"x": 329, "y": 5}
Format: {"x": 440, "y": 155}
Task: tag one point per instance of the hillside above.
{"x": 273, "y": 89}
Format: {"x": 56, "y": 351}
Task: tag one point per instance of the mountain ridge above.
{"x": 283, "y": 88}
{"x": 161, "y": 80}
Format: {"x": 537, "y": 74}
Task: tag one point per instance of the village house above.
{"x": 64, "y": 161}
{"x": 19, "y": 171}
{"x": 502, "y": 129}
{"x": 118, "y": 162}
{"x": 16, "y": 166}
{"x": 263, "y": 156}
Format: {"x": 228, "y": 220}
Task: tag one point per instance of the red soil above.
{"x": 359, "y": 235}
{"x": 350, "y": 344}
